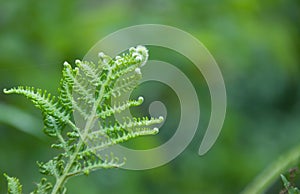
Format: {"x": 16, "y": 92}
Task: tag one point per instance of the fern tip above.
{"x": 77, "y": 62}
{"x": 155, "y": 130}
{"x": 8, "y": 91}
{"x": 141, "y": 49}
{"x": 138, "y": 71}
{"x": 141, "y": 99}
{"x": 140, "y": 53}
{"x": 101, "y": 55}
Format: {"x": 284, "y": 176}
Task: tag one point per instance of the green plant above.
{"x": 87, "y": 90}
{"x": 274, "y": 170}
{"x": 289, "y": 188}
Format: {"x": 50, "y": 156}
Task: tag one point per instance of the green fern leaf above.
{"x": 91, "y": 71}
{"x": 42, "y": 100}
{"x": 43, "y": 187}
{"x": 53, "y": 125}
{"x": 107, "y": 111}
{"x": 119, "y": 138}
{"x": 86, "y": 91}
{"x": 126, "y": 83}
{"x": 93, "y": 163}
{"x": 14, "y": 186}
{"x": 66, "y": 87}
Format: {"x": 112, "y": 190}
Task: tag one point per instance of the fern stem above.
{"x": 273, "y": 171}
{"x": 62, "y": 179}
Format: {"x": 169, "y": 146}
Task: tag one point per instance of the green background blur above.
{"x": 255, "y": 43}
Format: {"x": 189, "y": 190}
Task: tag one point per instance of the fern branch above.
{"x": 88, "y": 166}
{"x": 126, "y": 84}
{"x": 108, "y": 111}
{"x": 120, "y": 138}
{"x": 127, "y": 126}
{"x": 42, "y": 187}
{"x": 80, "y": 85}
{"x": 91, "y": 71}
{"x": 14, "y": 186}
{"x": 41, "y": 99}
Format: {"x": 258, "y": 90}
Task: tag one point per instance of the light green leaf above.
{"x": 14, "y": 186}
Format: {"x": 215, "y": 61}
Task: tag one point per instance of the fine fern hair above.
{"x": 85, "y": 93}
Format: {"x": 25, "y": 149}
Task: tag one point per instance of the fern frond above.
{"x": 66, "y": 86}
{"x": 80, "y": 84}
{"x": 107, "y": 111}
{"x": 91, "y": 71}
{"x": 53, "y": 125}
{"x": 14, "y": 186}
{"x": 126, "y": 65}
{"x": 140, "y": 122}
{"x": 120, "y": 138}
{"x": 42, "y": 187}
{"x": 126, "y": 126}
{"x": 126, "y": 84}
{"x": 42, "y": 100}
{"x": 87, "y": 89}
{"x": 53, "y": 167}
{"x": 110, "y": 135}
{"x": 136, "y": 58}
{"x": 66, "y": 95}
{"x": 91, "y": 165}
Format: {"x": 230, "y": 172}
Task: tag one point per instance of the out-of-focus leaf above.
{"x": 20, "y": 120}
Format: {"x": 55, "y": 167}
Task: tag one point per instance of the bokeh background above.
{"x": 256, "y": 44}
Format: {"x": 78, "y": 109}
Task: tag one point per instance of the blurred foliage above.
{"x": 256, "y": 44}
{"x": 289, "y": 188}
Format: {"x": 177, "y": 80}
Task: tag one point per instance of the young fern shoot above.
{"x": 84, "y": 95}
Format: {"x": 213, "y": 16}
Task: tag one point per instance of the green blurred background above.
{"x": 256, "y": 44}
